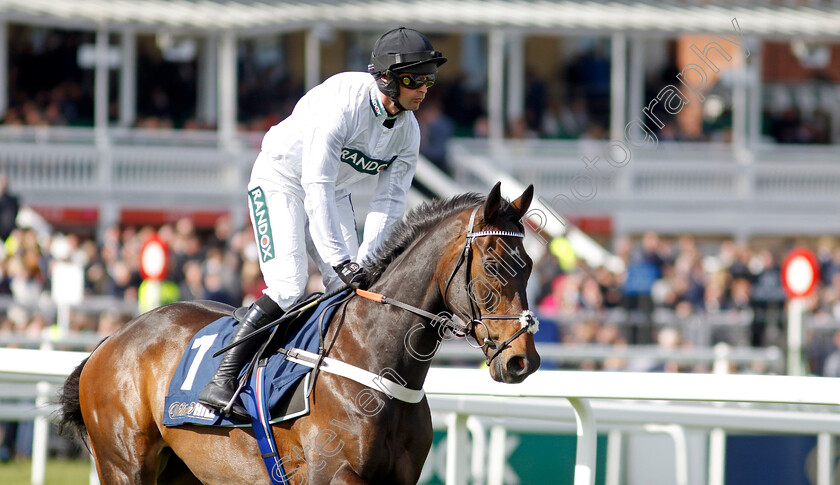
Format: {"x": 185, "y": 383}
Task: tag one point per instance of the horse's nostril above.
{"x": 516, "y": 364}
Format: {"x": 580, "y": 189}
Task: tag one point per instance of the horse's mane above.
{"x": 420, "y": 221}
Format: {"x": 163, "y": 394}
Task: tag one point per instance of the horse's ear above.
{"x": 524, "y": 201}
{"x": 493, "y": 201}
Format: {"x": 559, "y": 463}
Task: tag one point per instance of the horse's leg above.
{"x": 123, "y": 456}
{"x": 175, "y": 471}
{"x": 123, "y": 436}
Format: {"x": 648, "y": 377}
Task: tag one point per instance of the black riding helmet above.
{"x": 402, "y": 50}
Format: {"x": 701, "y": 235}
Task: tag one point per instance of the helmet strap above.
{"x": 391, "y": 88}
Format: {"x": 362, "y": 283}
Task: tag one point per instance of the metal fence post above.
{"x": 587, "y": 439}
{"x": 456, "y": 447}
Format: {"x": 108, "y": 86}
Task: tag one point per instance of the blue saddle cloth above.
{"x": 197, "y": 366}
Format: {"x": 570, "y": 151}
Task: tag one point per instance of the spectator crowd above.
{"x": 694, "y": 294}
{"x": 49, "y": 87}
{"x": 688, "y": 294}
{"x": 218, "y": 265}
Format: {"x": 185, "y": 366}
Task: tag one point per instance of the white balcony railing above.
{"x": 678, "y": 187}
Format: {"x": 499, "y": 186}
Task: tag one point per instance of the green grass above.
{"x": 59, "y": 472}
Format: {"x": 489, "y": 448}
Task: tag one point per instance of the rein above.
{"x": 527, "y": 321}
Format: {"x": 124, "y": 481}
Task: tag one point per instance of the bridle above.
{"x": 527, "y": 321}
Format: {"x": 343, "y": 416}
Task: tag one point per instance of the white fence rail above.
{"x": 546, "y": 395}
{"x": 637, "y": 357}
{"x": 38, "y": 369}
{"x": 466, "y": 392}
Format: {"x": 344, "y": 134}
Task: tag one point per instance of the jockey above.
{"x": 349, "y": 127}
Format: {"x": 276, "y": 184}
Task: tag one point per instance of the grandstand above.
{"x": 122, "y": 119}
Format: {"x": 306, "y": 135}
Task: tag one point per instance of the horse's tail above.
{"x": 70, "y": 409}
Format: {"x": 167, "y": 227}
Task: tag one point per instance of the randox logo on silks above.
{"x": 259, "y": 210}
{"x": 363, "y": 163}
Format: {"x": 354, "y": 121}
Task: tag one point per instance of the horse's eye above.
{"x": 491, "y": 268}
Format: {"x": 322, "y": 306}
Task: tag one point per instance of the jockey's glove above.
{"x": 351, "y": 274}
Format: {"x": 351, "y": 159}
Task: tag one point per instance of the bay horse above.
{"x": 430, "y": 262}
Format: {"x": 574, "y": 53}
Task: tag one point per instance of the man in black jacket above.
{"x": 9, "y": 206}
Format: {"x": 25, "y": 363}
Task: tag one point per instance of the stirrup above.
{"x": 228, "y": 411}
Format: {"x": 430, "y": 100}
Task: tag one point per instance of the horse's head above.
{"x": 486, "y": 286}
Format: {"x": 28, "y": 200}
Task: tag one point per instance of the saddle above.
{"x": 286, "y": 382}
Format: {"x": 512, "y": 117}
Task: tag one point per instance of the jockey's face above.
{"x": 410, "y": 99}
{"x": 413, "y": 89}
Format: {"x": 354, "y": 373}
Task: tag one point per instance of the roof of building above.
{"x": 784, "y": 18}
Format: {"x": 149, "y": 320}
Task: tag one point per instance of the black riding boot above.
{"x": 217, "y": 393}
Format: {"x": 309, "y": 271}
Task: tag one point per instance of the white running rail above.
{"x": 472, "y": 387}
{"x": 471, "y": 392}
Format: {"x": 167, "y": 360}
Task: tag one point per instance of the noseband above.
{"x": 527, "y": 321}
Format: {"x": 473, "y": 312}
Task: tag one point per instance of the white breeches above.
{"x": 282, "y": 233}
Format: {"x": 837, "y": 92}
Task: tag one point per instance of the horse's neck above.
{"x": 381, "y": 330}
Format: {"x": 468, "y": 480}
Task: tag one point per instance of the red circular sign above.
{"x": 800, "y": 273}
{"x": 154, "y": 259}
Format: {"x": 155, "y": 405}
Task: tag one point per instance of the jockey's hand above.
{"x": 351, "y": 274}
